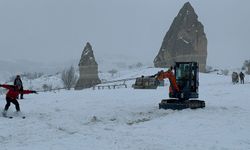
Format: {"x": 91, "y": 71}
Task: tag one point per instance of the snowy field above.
{"x": 128, "y": 119}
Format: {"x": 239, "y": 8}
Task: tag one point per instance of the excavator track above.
{"x": 176, "y": 104}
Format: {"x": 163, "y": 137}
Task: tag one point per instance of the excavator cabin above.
{"x": 187, "y": 79}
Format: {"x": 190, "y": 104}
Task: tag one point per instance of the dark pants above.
{"x": 10, "y": 100}
{"x": 242, "y": 81}
{"x": 21, "y": 95}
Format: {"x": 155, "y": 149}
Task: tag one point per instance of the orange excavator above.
{"x": 184, "y": 83}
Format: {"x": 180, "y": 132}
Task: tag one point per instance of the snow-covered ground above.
{"x": 114, "y": 119}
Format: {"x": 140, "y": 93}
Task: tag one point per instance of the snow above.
{"x": 181, "y": 37}
{"x": 185, "y": 41}
{"x": 86, "y": 52}
{"x": 125, "y": 118}
{"x": 54, "y": 81}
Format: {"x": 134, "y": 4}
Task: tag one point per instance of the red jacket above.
{"x": 14, "y": 92}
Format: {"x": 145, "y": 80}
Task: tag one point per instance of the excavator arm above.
{"x": 169, "y": 74}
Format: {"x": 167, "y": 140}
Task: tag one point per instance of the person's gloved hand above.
{"x": 35, "y": 92}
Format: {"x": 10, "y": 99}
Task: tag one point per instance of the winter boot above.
{"x": 4, "y": 113}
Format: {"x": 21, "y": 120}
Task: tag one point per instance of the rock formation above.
{"x": 88, "y": 69}
{"x": 185, "y": 41}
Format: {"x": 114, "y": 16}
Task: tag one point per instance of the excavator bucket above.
{"x": 176, "y": 104}
{"x": 146, "y": 82}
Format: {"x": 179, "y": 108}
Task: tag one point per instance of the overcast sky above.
{"x": 57, "y": 30}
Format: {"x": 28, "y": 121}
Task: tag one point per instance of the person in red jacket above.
{"x": 11, "y": 96}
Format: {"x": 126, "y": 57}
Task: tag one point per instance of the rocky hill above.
{"x": 184, "y": 41}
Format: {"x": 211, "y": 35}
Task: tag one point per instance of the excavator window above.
{"x": 186, "y": 76}
{"x": 182, "y": 74}
{"x": 182, "y": 71}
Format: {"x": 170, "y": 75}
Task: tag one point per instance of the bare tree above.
{"x": 225, "y": 72}
{"x": 139, "y": 65}
{"x": 47, "y": 87}
{"x": 69, "y": 78}
{"x": 209, "y": 69}
{"x": 246, "y": 66}
{"x": 112, "y": 72}
{"x": 130, "y": 67}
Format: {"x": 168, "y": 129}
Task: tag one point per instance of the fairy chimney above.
{"x": 184, "y": 41}
{"x": 88, "y": 69}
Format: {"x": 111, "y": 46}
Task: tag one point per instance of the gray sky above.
{"x": 57, "y": 30}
